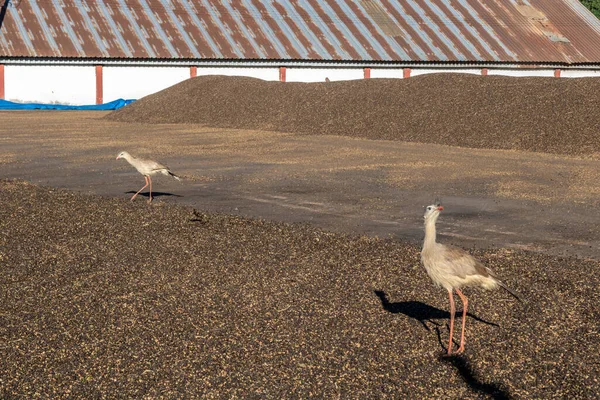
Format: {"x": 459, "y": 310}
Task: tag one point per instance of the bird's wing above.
{"x": 160, "y": 167}
{"x": 156, "y": 166}
{"x": 151, "y": 166}
{"x": 463, "y": 264}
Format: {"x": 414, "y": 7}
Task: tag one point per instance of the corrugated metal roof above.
{"x": 523, "y": 31}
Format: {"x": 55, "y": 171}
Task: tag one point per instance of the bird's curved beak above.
{"x": 118, "y": 157}
{"x": 440, "y": 208}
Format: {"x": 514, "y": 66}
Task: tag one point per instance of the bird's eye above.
{"x": 429, "y": 208}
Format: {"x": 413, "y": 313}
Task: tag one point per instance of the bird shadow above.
{"x": 425, "y": 313}
{"x": 420, "y": 311}
{"x": 155, "y": 194}
{"x": 469, "y": 376}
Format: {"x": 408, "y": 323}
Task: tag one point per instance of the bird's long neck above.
{"x": 130, "y": 159}
{"x": 429, "y": 233}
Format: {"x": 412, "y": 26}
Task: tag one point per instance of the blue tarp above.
{"x": 113, "y": 105}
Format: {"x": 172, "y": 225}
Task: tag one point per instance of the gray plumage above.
{"x": 147, "y": 168}
{"x": 453, "y": 268}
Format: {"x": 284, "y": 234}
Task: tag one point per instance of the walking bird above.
{"x": 453, "y": 268}
{"x": 146, "y": 168}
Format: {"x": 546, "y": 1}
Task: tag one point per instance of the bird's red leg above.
{"x": 146, "y": 178}
{"x": 150, "y": 198}
{"x": 452, "y": 312}
{"x": 464, "y": 320}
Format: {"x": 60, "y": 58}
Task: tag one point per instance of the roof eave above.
{"x": 256, "y": 63}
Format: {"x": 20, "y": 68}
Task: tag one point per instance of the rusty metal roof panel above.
{"x": 515, "y": 31}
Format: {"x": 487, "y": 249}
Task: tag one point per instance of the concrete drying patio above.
{"x": 514, "y": 199}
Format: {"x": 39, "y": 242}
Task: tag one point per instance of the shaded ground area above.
{"x": 103, "y": 297}
{"x": 493, "y": 198}
{"x": 534, "y": 114}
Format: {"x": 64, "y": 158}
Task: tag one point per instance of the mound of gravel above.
{"x": 534, "y": 114}
{"x": 107, "y": 298}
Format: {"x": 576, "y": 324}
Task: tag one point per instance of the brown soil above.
{"x": 103, "y": 297}
{"x": 534, "y": 114}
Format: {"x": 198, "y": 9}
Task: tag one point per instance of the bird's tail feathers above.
{"x": 512, "y": 292}
{"x": 174, "y": 176}
{"x": 167, "y": 172}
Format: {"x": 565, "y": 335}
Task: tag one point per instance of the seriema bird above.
{"x": 146, "y": 168}
{"x": 453, "y": 268}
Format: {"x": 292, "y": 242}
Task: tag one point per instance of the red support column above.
{"x": 367, "y": 72}
{"x": 281, "y": 74}
{"x": 2, "y": 81}
{"x": 193, "y": 71}
{"x": 406, "y": 73}
{"x": 484, "y": 71}
{"x": 557, "y": 73}
{"x": 99, "y": 85}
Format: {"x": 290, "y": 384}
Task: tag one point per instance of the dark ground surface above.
{"x": 521, "y": 200}
{"x": 534, "y": 114}
{"x": 102, "y": 297}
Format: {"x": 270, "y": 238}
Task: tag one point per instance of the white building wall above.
{"x": 137, "y": 82}
{"x": 267, "y": 74}
{"x": 387, "y": 73}
{"x": 50, "y": 84}
{"x": 294, "y": 74}
{"x": 568, "y": 73}
{"x": 424, "y": 71}
{"x": 76, "y": 85}
{"x": 521, "y": 72}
